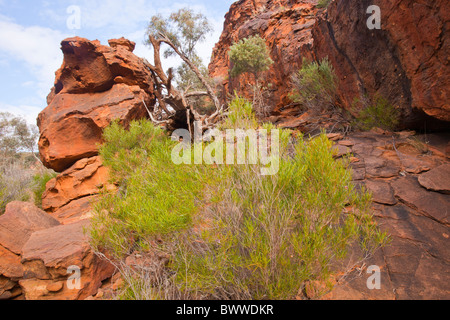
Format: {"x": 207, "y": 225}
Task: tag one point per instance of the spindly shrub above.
{"x": 379, "y": 113}
{"x": 227, "y": 232}
{"x": 315, "y": 85}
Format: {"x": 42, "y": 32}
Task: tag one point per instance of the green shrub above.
{"x": 15, "y": 183}
{"x": 270, "y": 234}
{"x": 250, "y": 55}
{"x": 240, "y": 115}
{"x": 155, "y": 197}
{"x": 227, "y": 232}
{"x": 323, "y": 3}
{"x": 40, "y": 180}
{"x": 315, "y": 85}
{"x": 380, "y": 113}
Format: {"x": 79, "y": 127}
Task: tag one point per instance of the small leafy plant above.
{"x": 315, "y": 85}
{"x": 379, "y": 113}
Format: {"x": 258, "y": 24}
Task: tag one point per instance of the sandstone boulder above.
{"x": 85, "y": 178}
{"x": 129, "y": 45}
{"x": 19, "y": 222}
{"x": 50, "y": 257}
{"x": 95, "y": 85}
{"x": 76, "y": 210}
{"x": 437, "y": 179}
{"x": 72, "y": 125}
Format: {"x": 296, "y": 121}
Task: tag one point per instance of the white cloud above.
{"x": 37, "y": 47}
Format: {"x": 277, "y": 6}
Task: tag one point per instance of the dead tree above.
{"x": 174, "y": 102}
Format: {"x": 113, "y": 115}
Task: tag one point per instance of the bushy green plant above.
{"x": 228, "y": 231}
{"x": 40, "y": 180}
{"x": 240, "y": 115}
{"x": 323, "y": 3}
{"x": 250, "y": 55}
{"x": 379, "y": 113}
{"x": 155, "y": 196}
{"x": 269, "y": 235}
{"x": 315, "y": 85}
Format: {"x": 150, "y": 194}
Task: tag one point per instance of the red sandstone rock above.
{"x": 95, "y": 85}
{"x": 10, "y": 266}
{"x": 76, "y": 210}
{"x": 84, "y": 178}
{"x": 19, "y": 221}
{"x": 114, "y": 43}
{"x": 48, "y": 255}
{"x": 71, "y": 126}
{"x": 406, "y": 61}
{"x": 437, "y": 179}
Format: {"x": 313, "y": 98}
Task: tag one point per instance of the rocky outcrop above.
{"x": 48, "y": 258}
{"x": 95, "y": 85}
{"x": 38, "y": 255}
{"x": 286, "y": 26}
{"x": 415, "y": 265}
{"x": 406, "y": 61}
{"x": 85, "y": 178}
{"x": 19, "y": 222}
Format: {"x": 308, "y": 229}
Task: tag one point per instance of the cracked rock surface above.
{"x": 411, "y": 203}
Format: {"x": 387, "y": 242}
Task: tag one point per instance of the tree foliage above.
{"x": 184, "y": 28}
{"x": 250, "y": 55}
{"x": 16, "y": 135}
{"x": 315, "y": 85}
{"x": 181, "y": 32}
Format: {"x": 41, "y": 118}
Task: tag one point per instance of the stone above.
{"x": 10, "y": 266}
{"x": 129, "y": 45}
{"x": 382, "y": 192}
{"x": 76, "y": 210}
{"x": 85, "y": 178}
{"x": 57, "y": 249}
{"x": 19, "y": 222}
{"x": 430, "y": 204}
{"x": 340, "y": 150}
{"x": 437, "y": 179}
{"x": 72, "y": 124}
{"x": 86, "y": 98}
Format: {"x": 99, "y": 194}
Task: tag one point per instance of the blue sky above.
{"x": 31, "y": 32}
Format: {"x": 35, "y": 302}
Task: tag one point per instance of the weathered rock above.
{"x": 408, "y": 66}
{"x": 76, "y": 210}
{"x": 285, "y": 25}
{"x": 90, "y": 67}
{"x": 382, "y": 192}
{"x": 54, "y": 250}
{"x": 129, "y": 45}
{"x": 84, "y": 178}
{"x": 10, "y": 266}
{"x": 429, "y": 203}
{"x": 437, "y": 179}
{"x": 71, "y": 126}
{"x": 18, "y": 223}
{"x": 95, "y": 85}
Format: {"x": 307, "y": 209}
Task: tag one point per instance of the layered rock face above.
{"x": 406, "y": 61}
{"x": 95, "y": 85}
{"x": 39, "y": 249}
